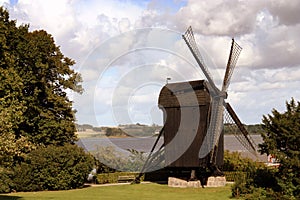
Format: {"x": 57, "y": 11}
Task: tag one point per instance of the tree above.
{"x": 35, "y": 77}
{"x": 282, "y": 139}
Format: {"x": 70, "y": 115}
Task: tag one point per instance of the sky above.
{"x": 126, "y": 49}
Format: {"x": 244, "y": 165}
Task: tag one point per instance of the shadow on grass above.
{"x": 8, "y": 197}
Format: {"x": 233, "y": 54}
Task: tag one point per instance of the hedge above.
{"x": 113, "y": 177}
{"x": 235, "y": 175}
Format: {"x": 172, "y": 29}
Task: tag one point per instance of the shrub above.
{"x": 265, "y": 177}
{"x": 6, "y": 180}
{"x": 259, "y": 184}
{"x": 233, "y": 161}
{"x": 239, "y": 187}
{"x": 53, "y": 168}
{"x": 257, "y": 194}
{"x": 110, "y": 157}
{"x": 252, "y": 180}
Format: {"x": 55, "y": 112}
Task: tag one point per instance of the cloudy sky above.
{"x": 126, "y": 49}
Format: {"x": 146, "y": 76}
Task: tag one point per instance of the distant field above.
{"x": 90, "y": 133}
{"x": 127, "y": 192}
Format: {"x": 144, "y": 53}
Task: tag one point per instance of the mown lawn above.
{"x": 127, "y": 192}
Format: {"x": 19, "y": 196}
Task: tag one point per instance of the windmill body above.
{"x": 186, "y": 107}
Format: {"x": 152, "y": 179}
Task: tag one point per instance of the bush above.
{"x": 6, "y": 180}
{"x": 53, "y": 168}
{"x": 239, "y": 187}
{"x": 265, "y": 177}
{"x": 259, "y": 184}
{"x": 257, "y": 194}
{"x": 233, "y": 161}
{"x": 110, "y": 157}
{"x": 252, "y": 180}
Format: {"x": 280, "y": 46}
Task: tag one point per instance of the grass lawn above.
{"x": 127, "y": 192}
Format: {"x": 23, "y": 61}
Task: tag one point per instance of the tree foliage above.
{"x": 282, "y": 139}
{"x": 35, "y": 110}
{"x": 34, "y": 79}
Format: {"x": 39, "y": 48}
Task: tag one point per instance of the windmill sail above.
{"x": 216, "y": 120}
{"x": 235, "y": 51}
{"x": 191, "y": 43}
{"x": 236, "y": 127}
{"x": 233, "y": 57}
{"x": 214, "y": 129}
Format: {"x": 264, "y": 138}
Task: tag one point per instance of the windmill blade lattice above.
{"x": 235, "y": 51}
{"x": 234, "y": 126}
{"x": 233, "y": 57}
{"x": 190, "y": 41}
{"x": 214, "y": 129}
{"x": 216, "y": 124}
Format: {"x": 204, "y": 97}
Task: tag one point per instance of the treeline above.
{"x": 146, "y": 130}
{"x": 85, "y": 127}
{"x": 141, "y": 130}
{"x": 253, "y": 129}
{"x": 136, "y": 130}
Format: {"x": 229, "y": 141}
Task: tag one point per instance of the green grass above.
{"x": 127, "y": 192}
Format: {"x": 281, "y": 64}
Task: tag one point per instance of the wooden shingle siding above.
{"x": 186, "y": 116}
{"x": 193, "y": 93}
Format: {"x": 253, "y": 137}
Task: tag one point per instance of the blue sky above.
{"x": 134, "y": 45}
{"x": 13, "y": 2}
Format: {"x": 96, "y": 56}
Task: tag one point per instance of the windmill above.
{"x": 201, "y": 137}
{"x": 218, "y": 99}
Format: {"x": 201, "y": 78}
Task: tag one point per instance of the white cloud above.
{"x": 55, "y": 16}
{"x": 219, "y": 17}
{"x": 267, "y": 72}
{"x": 3, "y": 2}
{"x": 257, "y": 23}
{"x": 287, "y": 12}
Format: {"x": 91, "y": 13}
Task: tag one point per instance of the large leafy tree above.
{"x": 34, "y": 79}
{"x": 282, "y": 139}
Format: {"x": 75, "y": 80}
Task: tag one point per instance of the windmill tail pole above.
{"x": 137, "y": 178}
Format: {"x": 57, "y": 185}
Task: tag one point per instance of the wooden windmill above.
{"x": 194, "y": 113}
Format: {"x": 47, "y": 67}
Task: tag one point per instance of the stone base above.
{"x": 176, "y": 182}
{"x": 218, "y": 181}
